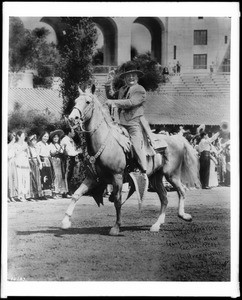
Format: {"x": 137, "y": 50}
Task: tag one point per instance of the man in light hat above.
{"x": 130, "y": 100}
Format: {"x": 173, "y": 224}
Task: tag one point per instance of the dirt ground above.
{"x": 38, "y": 250}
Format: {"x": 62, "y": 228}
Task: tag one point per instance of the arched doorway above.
{"x": 140, "y": 40}
{"x": 109, "y": 31}
{"x": 156, "y": 28}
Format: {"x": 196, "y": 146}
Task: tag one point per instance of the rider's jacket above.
{"x": 130, "y": 103}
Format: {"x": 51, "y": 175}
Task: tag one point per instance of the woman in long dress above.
{"x": 35, "y": 167}
{"x": 47, "y": 174}
{"x": 213, "y": 175}
{"x": 12, "y": 171}
{"x": 22, "y": 166}
{"x": 57, "y": 156}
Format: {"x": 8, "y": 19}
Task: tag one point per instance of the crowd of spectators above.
{"x": 51, "y": 165}
{"x": 46, "y": 166}
{"x": 213, "y": 152}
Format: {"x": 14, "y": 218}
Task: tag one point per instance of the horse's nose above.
{"x": 71, "y": 120}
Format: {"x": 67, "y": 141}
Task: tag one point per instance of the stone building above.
{"x": 195, "y": 42}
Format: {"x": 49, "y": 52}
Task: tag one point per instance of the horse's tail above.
{"x": 190, "y": 167}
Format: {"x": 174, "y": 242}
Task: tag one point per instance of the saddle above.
{"x": 153, "y": 143}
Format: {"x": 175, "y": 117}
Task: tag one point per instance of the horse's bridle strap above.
{"x": 83, "y": 121}
{"x": 93, "y": 158}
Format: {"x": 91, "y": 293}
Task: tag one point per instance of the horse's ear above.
{"x": 80, "y": 91}
{"x": 93, "y": 88}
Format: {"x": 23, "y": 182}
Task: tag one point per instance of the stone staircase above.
{"x": 186, "y": 84}
{"x": 197, "y": 84}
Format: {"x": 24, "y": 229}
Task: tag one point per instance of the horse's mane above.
{"x": 103, "y": 108}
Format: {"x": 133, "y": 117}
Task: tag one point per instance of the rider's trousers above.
{"x": 136, "y": 135}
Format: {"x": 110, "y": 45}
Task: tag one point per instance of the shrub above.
{"x": 32, "y": 121}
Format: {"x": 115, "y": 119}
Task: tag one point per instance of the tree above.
{"x": 45, "y": 55}
{"x": 152, "y": 76}
{"x": 134, "y": 52}
{"x": 21, "y": 45}
{"x": 143, "y": 62}
{"x": 76, "y": 50}
{"x": 30, "y": 49}
{"x": 97, "y": 58}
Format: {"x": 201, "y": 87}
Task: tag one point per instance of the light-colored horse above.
{"x": 108, "y": 162}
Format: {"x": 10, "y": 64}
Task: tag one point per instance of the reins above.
{"x": 92, "y": 158}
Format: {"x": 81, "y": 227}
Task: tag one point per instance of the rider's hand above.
{"x": 109, "y": 103}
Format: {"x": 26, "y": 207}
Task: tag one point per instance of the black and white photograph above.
{"x": 120, "y": 166}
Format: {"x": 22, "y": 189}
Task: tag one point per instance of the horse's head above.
{"x": 83, "y": 109}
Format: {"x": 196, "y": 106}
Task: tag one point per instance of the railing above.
{"x": 103, "y": 69}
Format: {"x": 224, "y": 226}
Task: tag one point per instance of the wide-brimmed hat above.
{"x": 32, "y": 137}
{"x": 131, "y": 68}
{"x": 58, "y": 132}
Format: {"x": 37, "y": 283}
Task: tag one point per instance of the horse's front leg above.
{"x": 117, "y": 197}
{"x": 86, "y": 186}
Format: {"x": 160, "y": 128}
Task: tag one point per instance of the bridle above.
{"x": 82, "y": 120}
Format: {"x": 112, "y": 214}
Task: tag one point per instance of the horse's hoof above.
{"x": 186, "y": 217}
{"x": 114, "y": 231}
{"x": 66, "y": 225}
{"x": 154, "y": 228}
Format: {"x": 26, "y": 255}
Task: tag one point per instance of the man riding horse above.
{"x": 130, "y": 100}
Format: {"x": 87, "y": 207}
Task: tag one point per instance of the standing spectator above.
{"x": 211, "y": 68}
{"x": 35, "y": 167}
{"x": 178, "y": 67}
{"x": 165, "y": 74}
{"x": 227, "y": 159}
{"x": 57, "y": 154}
{"x": 222, "y": 161}
{"x": 181, "y": 131}
{"x": 12, "y": 171}
{"x": 220, "y": 171}
{"x": 47, "y": 174}
{"x": 174, "y": 68}
{"x": 70, "y": 149}
{"x": 213, "y": 175}
{"x": 22, "y": 166}
{"x": 204, "y": 151}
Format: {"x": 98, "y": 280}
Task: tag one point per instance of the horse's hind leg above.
{"x": 176, "y": 183}
{"x": 158, "y": 186}
{"x": 83, "y": 189}
{"x": 117, "y": 196}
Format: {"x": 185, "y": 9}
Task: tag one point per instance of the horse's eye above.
{"x": 87, "y": 102}
{"x": 76, "y": 117}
